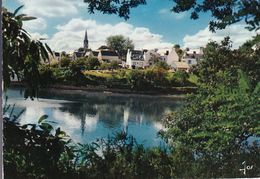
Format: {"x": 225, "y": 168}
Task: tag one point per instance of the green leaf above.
{"x": 28, "y": 18}
{"x": 42, "y": 118}
{"x": 46, "y": 127}
{"x": 17, "y": 10}
{"x": 49, "y": 49}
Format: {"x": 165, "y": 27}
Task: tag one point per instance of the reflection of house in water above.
{"x": 128, "y": 116}
{"x": 90, "y": 122}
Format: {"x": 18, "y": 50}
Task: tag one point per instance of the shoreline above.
{"x": 176, "y": 93}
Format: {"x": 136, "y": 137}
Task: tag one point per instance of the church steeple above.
{"x": 86, "y": 40}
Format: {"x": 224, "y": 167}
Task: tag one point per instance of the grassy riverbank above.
{"x": 154, "y": 80}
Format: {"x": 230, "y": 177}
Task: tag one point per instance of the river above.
{"x": 87, "y": 116}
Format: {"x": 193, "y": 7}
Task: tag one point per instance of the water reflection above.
{"x": 87, "y": 117}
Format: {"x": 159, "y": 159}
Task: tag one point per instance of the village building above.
{"x": 108, "y": 56}
{"x": 180, "y": 66}
{"x": 151, "y": 56}
{"x": 191, "y": 57}
{"x": 172, "y": 57}
{"x": 135, "y": 59}
{"x": 164, "y": 53}
{"x": 81, "y": 52}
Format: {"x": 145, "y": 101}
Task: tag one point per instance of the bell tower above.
{"x": 86, "y": 40}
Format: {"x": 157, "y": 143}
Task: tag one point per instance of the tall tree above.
{"x": 223, "y": 12}
{"x": 21, "y": 54}
{"x": 120, "y": 44}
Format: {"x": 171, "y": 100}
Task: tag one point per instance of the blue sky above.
{"x": 150, "y": 26}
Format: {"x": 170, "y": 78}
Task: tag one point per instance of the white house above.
{"x": 191, "y": 57}
{"x": 149, "y": 55}
{"x": 164, "y": 53}
{"x": 135, "y": 59}
{"x": 172, "y": 57}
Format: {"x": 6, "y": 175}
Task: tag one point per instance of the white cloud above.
{"x": 38, "y": 36}
{"x": 50, "y": 8}
{"x": 70, "y": 36}
{"x": 38, "y": 24}
{"x": 237, "y": 33}
{"x": 167, "y": 12}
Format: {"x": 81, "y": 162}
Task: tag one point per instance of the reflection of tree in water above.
{"x": 111, "y": 115}
{"x": 80, "y": 110}
{"x": 151, "y": 108}
{"x": 111, "y": 109}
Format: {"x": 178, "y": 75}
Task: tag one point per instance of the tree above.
{"x": 120, "y": 44}
{"x": 179, "y": 51}
{"x": 21, "y": 54}
{"x": 65, "y": 61}
{"x": 224, "y": 12}
{"x": 92, "y": 63}
{"x": 218, "y": 124}
{"x": 121, "y": 8}
{"x": 162, "y": 64}
{"x": 219, "y": 58}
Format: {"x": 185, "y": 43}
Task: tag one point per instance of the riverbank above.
{"x": 175, "y": 92}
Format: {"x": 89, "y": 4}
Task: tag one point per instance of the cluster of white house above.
{"x": 140, "y": 58}
{"x": 144, "y": 58}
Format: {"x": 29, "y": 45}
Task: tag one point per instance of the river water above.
{"x": 87, "y": 116}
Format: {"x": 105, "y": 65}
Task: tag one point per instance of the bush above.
{"x": 92, "y": 63}
{"x": 220, "y": 124}
{"x": 110, "y": 66}
{"x": 179, "y": 78}
{"x": 156, "y": 76}
{"x": 35, "y": 151}
{"x": 162, "y": 64}
{"x": 46, "y": 75}
{"x": 65, "y": 62}
{"x": 135, "y": 79}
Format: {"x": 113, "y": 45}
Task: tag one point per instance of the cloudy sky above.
{"x": 63, "y": 23}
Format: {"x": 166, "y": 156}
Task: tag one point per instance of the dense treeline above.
{"x": 77, "y": 73}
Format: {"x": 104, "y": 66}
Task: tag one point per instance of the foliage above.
{"x": 179, "y": 78}
{"x": 110, "y": 66}
{"x": 120, "y": 44}
{"x": 32, "y": 151}
{"x": 92, "y": 63}
{"x": 37, "y": 151}
{"x": 121, "y": 8}
{"x": 224, "y": 12}
{"x": 217, "y": 122}
{"x": 179, "y": 51}
{"x": 21, "y": 54}
{"x": 220, "y": 58}
{"x": 65, "y": 62}
{"x": 46, "y": 75}
{"x": 135, "y": 79}
{"x": 162, "y": 64}
{"x": 156, "y": 76}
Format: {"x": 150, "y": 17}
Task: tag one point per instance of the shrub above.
{"x": 156, "y": 76}
{"x": 179, "y": 78}
{"x": 135, "y": 79}
{"x": 46, "y": 75}
{"x": 92, "y": 63}
{"x": 110, "y": 66}
{"x": 65, "y": 62}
